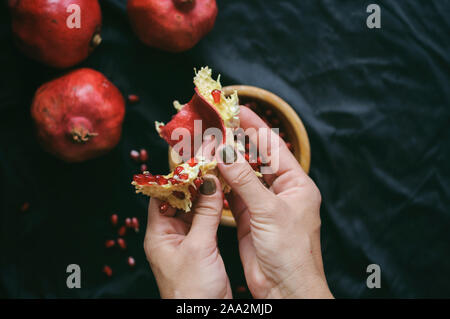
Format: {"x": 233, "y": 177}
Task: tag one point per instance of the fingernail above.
{"x": 208, "y": 187}
{"x": 229, "y": 156}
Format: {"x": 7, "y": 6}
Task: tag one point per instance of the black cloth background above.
{"x": 375, "y": 104}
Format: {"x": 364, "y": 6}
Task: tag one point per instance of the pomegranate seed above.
{"x": 241, "y": 289}
{"x": 107, "y": 270}
{"x": 149, "y": 178}
{"x": 173, "y": 181}
{"x": 259, "y": 161}
{"x": 183, "y": 176}
{"x": 110, "y": 243}
{"x": 122, "y": 231}
{"x": 282, "y": 135}
{"x": 247, "y": 157}
{"x": 289, "y": 146}
{"x": 193, "y": 192}
{"x": 128, "y": 222}
{"x": 143, "y": 155}
{"x": 121, "y": 243}
{"x": 114, "y": 219}
{"x": 144, "y": 168}
{"x": 134, "y": 155}
{"x": 269, "y": 112}
{"x": 163, "y": 207}
{"x": 135, "y": 224}
{"x": 192, "y": 162}
{"x": 133, "y": 98}
{"x": 161, "y": 180}
{"x": 247, "y": 146}
{"x": 275, "y": 122}
{"x": 180, "y": 152}
{"x": 225, "y": 204}
{"x": 198, "y": 182}
{"x": 25, "y": 206}
{"x": 131, "y": 261}
{"x": 178, "y": 170}
{"x": 179, "y": 195}
{"x": 216, "y": 95}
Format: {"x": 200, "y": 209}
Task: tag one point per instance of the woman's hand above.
{"x": 182, "y": 247}
{"x": 278, "y": 229}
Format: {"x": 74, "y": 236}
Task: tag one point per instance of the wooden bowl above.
{"x": 293, "y": 126}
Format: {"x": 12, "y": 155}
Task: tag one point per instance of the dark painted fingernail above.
{"x": 229, "y": 156}
{"x": 208, "y": 187}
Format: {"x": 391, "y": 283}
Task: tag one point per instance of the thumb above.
{"x": 207, "y": 210}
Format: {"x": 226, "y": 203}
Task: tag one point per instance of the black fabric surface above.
{"x": 375, "y": 104}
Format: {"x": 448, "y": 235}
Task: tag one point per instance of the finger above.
{"x": 240, "y": 214}
{"x": 271, "y": 146}
{"x": 158, "y": 222}
{"x": 242, "y": 179}
{"x": 207, "y": 211}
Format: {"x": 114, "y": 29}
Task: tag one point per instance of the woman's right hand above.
{"x": 278, "y": 228}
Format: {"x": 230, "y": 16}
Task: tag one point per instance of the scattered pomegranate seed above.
{"x": 25, "y": 206}
{"x": 241, "y": 289}
{"x": 216, "y": 94}
{"x": 114, "y": 219}
{"x": 135, "y": 224}
{"x": 128, "y": 223}
{"x": 122, "y": 231}
{"x": 198, "y": 182}
{"x": 133, "y": 98}
{"x": 179, "y": 195}
{"x": 107, "y": 270}
{"x": 178, "y": 170}
{"x": 144, "y": 168}
{"x": 143, "y": 155}
{"x": 192, "y": 162}
{"x": 183, "y": 176}
{"x": 180, "y": 152}
{"x": 110, "y": 243}
{"x": 247, "y": 146}
{"x": 247, "y": 157}
{"x": 225, "y": 204}
{"x": 161, "y": 180}
{"x": 131, "y": 261}
{"x": 163, "y": 207}
{"x": 134, "y": 155}
{"x": 282, "y": 135}
{"x": 121, "y": 243}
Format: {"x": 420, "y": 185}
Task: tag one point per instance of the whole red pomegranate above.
{"x": 59, "y": 33}
{"x": 79, "y": 115}
{"x": 172, "y": 25}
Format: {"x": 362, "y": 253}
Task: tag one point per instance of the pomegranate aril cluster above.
{"x": 271, "y": 119}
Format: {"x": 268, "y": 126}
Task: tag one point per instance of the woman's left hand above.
{"x": 182, "y": 247}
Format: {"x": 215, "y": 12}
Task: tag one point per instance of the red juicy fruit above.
{"x": 172, "y": 25}
{"x": 197, "y": 109}
{"x": 40, "y": 29}
{"x": 78, "y": 116}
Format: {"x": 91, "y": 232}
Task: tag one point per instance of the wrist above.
{"x": 301, "y": 287}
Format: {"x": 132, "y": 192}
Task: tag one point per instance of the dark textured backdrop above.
{"x": 375, "y": 104}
